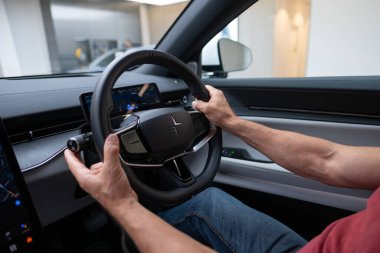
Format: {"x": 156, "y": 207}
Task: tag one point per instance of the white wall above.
{"x": 277, "y": 33}
{"x": 161, "y": 18}
{"x": 344, "y": 38}
{"x": 291, "y": 31}
{"x": 9, "y": 63}
{"x": 291, "y": 38}
{"x": 256, "y": 32}
{"x": 25, "y": 44}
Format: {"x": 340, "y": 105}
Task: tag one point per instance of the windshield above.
{"x": 73, "y": 36}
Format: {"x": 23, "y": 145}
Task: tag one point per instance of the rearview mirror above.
{"x": 233, "y": 55}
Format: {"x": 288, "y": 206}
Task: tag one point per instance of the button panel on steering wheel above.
{"x": 155, "y": 137}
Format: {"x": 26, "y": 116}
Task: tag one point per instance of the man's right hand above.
{"x": 105, "y": 181}
{"x": 217, "y": 109}
{"x": 108, "y": 184}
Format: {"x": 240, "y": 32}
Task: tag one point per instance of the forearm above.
{"x": 315, "y": 158}
{"x": 304, "y": 155}
{"x": 150, "y": 233}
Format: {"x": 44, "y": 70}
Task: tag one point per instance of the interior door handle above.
{"x": 241, "y": 154}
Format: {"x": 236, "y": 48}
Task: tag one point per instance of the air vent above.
{"x": 29, "y": 127}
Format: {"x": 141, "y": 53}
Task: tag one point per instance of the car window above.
{"x": 302, "y": 38}
{"x": 58, "y": 36}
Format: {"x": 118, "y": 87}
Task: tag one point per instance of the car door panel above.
{"x": 343, "y": 110}
{"x": 344, "y": 99}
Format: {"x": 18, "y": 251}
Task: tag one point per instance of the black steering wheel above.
{"x": 160, "y": 137}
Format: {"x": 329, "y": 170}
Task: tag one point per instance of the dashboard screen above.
{"x": 127, "y": 99}
{"x": 18, "y": 219}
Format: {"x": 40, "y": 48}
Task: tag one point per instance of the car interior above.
{"x": 145, "y": 96}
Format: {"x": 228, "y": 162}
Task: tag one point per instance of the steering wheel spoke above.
{"x": 203, "y": 130}
{"x": 177, "y": 173}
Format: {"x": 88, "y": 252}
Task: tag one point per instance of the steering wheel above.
{"x": 160, "y": 137}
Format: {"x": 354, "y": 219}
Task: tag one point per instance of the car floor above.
{"x": 89, "y": 230}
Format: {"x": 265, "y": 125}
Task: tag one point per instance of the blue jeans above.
{"x": 222, "y": 222}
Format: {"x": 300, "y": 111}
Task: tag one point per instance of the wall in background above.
{"x": 344, "y": 38}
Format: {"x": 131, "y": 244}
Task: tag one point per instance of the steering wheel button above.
{"x": 129, "y": 121}
{"x": 132, "y": 143}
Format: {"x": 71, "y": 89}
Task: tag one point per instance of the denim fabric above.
{"x": 222, "y": 222}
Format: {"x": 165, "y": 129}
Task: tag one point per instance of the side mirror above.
{"x": 233, "y": 55}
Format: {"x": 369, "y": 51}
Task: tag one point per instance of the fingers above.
{"x": 111, "y": 151}
{"x": 212, "y": 90}
{"x": 111, "y": 159}
{"x": 75, "y": 165}
{"x": 199, "y": 105}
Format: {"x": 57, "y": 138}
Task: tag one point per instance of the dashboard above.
{"x": 39, "y": 136}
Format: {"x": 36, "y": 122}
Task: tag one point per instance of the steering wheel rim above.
{"x": 101, "y": 106}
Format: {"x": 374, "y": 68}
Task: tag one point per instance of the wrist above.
{"x": 131, "y": 215}
{"x": 120, "y": 208}
{"x": 232, "y": 124}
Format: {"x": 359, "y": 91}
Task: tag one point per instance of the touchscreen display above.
{"x": 18, "y": 220}
{"x": 127, "y": 99}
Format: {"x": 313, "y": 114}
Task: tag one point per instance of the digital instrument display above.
{"x": 127, "y": 99}
{"x": 19, "y": 224}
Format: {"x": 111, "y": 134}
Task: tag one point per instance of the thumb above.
{"x": 111, "y": 151}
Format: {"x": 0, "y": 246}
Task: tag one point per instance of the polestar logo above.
{"x": 175, "y": 124}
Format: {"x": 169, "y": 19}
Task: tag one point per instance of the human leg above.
{"x": 217, "y": 219}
